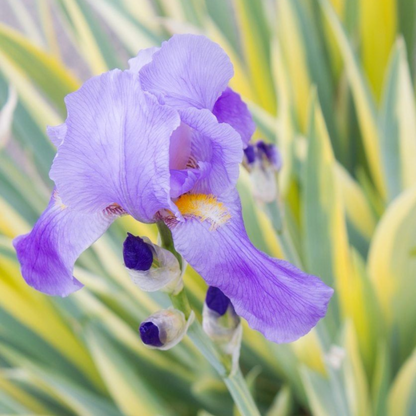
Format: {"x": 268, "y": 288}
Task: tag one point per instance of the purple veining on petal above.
{"x": 183, "y": 181}
{"x": 231, "y": 109}
{"x": 57, "y": 133}
{"x": 48, "y": 253}
{"x": 218, "y": 146}
{"x": 188, "y": 71}
{"x": 116, "y": 149}
{"x": 276, "y": 298}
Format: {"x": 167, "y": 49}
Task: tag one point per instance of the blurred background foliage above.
{"x": 332, "y": 83}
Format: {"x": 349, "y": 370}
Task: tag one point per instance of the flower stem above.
{"x": 167, "y": 240}
{"x": 181, "y": 302}
{"x": 220, "y": 362}
{"x": 235, "y": 383}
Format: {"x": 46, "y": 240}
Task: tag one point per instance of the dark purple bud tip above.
{"x": 149, "y": 333}
{"x": 262, "y": 147}
{"x": 216, "y": 300}
{"x": 137, "y": 254}
{"x": 250, "y": 154}
{"x": 271, "y": 152}
{"x": 268, "y": 150}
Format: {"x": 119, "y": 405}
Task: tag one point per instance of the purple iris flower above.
{"x": 163, "y": 142}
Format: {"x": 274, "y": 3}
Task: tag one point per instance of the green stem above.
{"x": 222, "y": 364}
{"x": 235, "y": 383}
{"x": 181, "y": 302}
{"x": 167, "y": 240}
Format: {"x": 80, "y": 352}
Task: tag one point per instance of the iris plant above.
{"x": 163, "y": 141}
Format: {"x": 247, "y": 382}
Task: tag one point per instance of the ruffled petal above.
{"x": 143, "y": 58}
{"x": 217, "y": 145}
{"x": 48, "y": 253}
{"x": 182, "y": 181}
{"x": 275, "y": 298}
{"x": 57, "y": 134}
{"x": 231, "y": 109}
{"x": 188, "y": 71}
{"x": 116, "y": 149}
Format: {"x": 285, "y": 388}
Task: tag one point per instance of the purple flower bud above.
{"x": 137, "y": 254}
{"x": 216, "y": 300}
{"x": 153, "y": 268}
{"x": 250, "y": 154}
{"x": 221, "y": 323}
{"x": 149, "y": 333}
{"x": 262, "y": 148}
{"x": 271, "y": 153}
{"x": 165, "y": 328}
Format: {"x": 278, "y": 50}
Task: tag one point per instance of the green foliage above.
{"x": 332, "y": 83}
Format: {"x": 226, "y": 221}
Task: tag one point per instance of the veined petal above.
{"x": 231, "y": 109}
{"x": 275, "y": 298}
{"x": 116, "y": 148}
{"x": 188, "y": 71}
{"x": 180, "y": 147}
{"x": 57, "y": 133}
{"x": 143, "y": 58}
{"x": 48, "y": 253}
{"x": 217, "y": 145}
{"x": 182, "y": 181}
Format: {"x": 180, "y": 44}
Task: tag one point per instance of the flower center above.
{"x": 204, "y": 208}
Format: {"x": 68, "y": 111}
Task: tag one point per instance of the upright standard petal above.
{"x": 275, "y": 298}
{"x": 215, "y": 145}
{"x": 48, "y": 253}
{"x": 116, "y": 148}
{"x": 188, "y": 71}
{"x": 143, "y": 58}
{"x": 231, "y": 109}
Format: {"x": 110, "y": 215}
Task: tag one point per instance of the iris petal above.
{"x": 182, "y": 181}
{"x": 216, "y": 144}
{"x": 275, "y": 298}
{"x": 231, "y": 109}
{"x": 48, "y": 253}
{"x": 143, "y": 58}
{"x": 116, "y": 148}
{"x": 180, "y": 147}
{"x": 57, "y": 133}
{"x": 188, "y": 71}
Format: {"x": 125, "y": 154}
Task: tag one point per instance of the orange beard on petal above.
{"x": 204, "y": 208}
